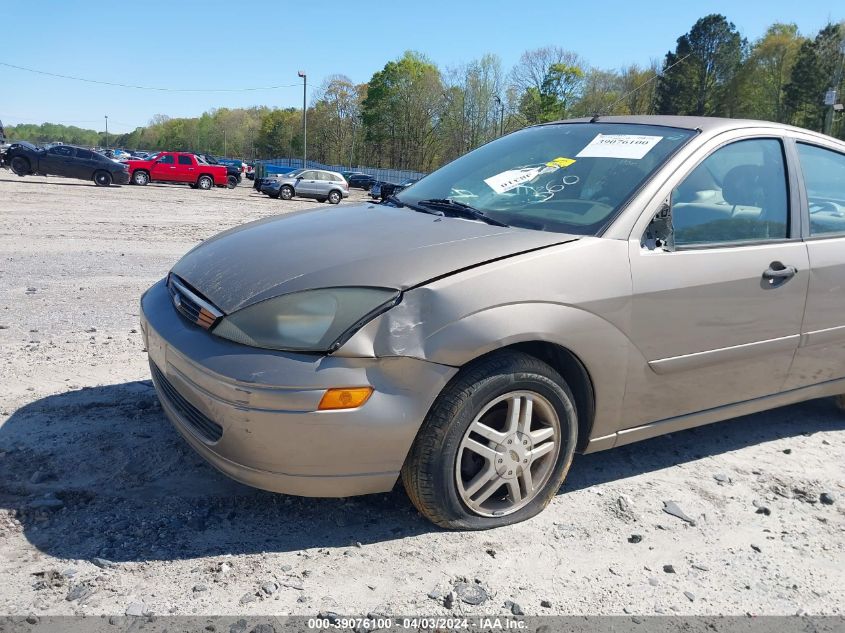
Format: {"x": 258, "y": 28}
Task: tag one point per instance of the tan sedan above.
{"x": 569, "y": 287}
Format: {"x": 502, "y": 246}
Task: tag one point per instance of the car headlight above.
{"x": 311, "y": 320}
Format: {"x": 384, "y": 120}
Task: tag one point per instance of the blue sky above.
{"x": 193, "y": 44}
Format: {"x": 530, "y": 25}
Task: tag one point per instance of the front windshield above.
{"x": 565, "y": 177}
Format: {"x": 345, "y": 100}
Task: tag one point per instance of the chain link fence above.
{"x": 264, "y": 167}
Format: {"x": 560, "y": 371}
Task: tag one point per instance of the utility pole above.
{"x": 107, "y": 131}
{"x": 304, "y": 119}
{"x": 501, "y": 114}
{"x": 224, "y": 144}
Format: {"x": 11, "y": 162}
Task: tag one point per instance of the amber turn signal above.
{"x": 345, "y": 398}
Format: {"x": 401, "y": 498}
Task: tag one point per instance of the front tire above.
{"x": 495, "y": 446}
{"x": 205, "y": 183}
{"x": 20, "y": 166}
{"x": 286, "y": 192}
{"x": 231, "y": 182}
{"x": 103, "y": 179}
{"x": 141, "y": 178}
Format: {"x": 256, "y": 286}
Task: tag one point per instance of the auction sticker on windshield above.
{"x": 512, "y": 178}
{"x": 633, "y": 146}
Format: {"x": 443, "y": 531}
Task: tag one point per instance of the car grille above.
{"x": 191, "y": 306}
{"x": 201, "y": 423}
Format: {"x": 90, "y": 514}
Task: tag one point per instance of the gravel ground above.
{"x": 105, "y": 510}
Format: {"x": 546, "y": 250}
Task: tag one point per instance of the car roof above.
{"x": 708, "y": 124}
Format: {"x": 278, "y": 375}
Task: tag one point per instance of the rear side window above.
{"x": 84, "y": 153}
{"x": 824, "y": 179}
{"x": 737, "y": 194}
{"x": 185, "y": 160}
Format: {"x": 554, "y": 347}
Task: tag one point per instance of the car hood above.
{"x": 355, "y": 245}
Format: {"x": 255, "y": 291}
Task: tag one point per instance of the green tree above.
{"x": 765, "y": 73}
{"x": 704, "y": 64}
{"x": 817, "y": 68}
{"x": 402, "y": 110}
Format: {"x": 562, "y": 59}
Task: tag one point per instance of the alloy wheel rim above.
{"x": 507, "y": 453}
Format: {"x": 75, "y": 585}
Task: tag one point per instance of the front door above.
{"x": 307, "y": 185}
{"x": 717, "y": 318}
{"x": 163, "y": 169}
{"x": 58, "y": 161}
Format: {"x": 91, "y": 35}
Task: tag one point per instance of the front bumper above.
{"x": 121, "y": 178}
{"x": 253, "y": 414}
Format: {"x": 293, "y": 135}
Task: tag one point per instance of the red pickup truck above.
{"x": 177, "y": 167}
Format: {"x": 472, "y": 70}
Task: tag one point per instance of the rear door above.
{"x": 86, "y": 163}
{"x": 324, "y": 184}
{"x": 717, "y": 319}
{"x": 186, "y": 168}
{"x": 164, "y": 168}
{"x": 821, "y": 355}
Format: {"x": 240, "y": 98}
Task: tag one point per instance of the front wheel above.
{"x": 20, "y": 166}
{"x": 231, "y": 182}
{"x": 103, "y": 179}
{"x": 140, "y": 178}
{"x": 495, "y": 446}
{"x": 205, "y": 183}
{"x": 286, "y": 192}
{"x": 335, "y": 197}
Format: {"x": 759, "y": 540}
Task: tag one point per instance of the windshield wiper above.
{"x": 460, "y": 209}
{"x": 396, "y": 201}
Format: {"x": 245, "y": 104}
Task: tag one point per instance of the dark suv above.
{"x": 359, "y": 180}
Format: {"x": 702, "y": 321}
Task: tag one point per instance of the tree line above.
{"x": 414, "y": 115}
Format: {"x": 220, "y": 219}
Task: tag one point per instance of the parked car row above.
{"x": 199, "y": 171}
{"x": 320, "y": 184}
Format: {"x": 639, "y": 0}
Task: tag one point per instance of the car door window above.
{"x": 84, "y": 154}
{"x": 309, "y": 175}
{"x": 737, "y": 194}
{"x": 61, "y": 150}
{"x": 824, "y": 180}
{"x": 185, "y": 160}
{"x": 166, "y": 160}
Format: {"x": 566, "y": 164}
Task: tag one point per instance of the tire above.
{"x": 286, "y": 192}
{"x": 839, "y": 401}
{"x": 335, "y": 196}
{"x": 102, "y": 179}
{"x": 321, "y": 200}
{"x": 366, "y": 187}
{"x": 20, "y": 166}
{"x": 205, "y": 183}
{"x": 140, "y": 178}
{"x": 485, "y": 392}
{"x": 231, "y": 182}
{"x": 193, "y": 185}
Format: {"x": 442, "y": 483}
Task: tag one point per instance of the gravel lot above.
{"x": 104, "y": 509}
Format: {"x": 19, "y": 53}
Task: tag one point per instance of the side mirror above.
{"x": 660, "y": 234}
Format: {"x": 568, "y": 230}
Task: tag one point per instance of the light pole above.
{"x": 304, "y": 119}
{"x": 107, "y": 131}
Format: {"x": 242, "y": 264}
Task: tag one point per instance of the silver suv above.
{"x": 313, "y": 183}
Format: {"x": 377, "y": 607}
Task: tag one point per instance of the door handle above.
{"x": 778, "y": 273}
